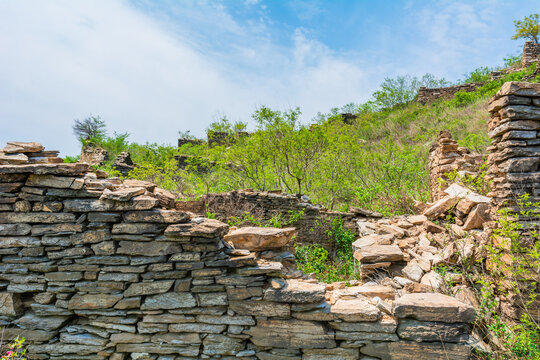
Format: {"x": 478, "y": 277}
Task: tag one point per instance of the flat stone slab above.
{"x": 22, "y": 147}
{"x": 295, "y": 291}
{"x": 409, "y": 350}
{"x": 257, "y": 238}
{"x": 433, "y": 307}
{"x": 208, "y": 228}
{"x": 46, "y": 169}
{"x": 379, "y": 253}
{"x": 291, "y": 334}
{"x": 355, "y": 310}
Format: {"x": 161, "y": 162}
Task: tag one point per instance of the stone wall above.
{"x": 429, "y": 95}
{"x": 531, "y": 53}
{"x": 514, "y": 164}
{"x": 312, "y": 226}
{"x": 514, "y": 127}
{"x": 96, "y": 268}
{"x": 445, "y": 157}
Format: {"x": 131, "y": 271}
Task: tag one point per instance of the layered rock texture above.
{"x": 266, "y": 205}
{"x": 447, "y": 157}
{"x": 531, "y": 53}
{"x": 429, "y": 95}
{"x": 514, "y": 127}
{"x": 98, "y": 268}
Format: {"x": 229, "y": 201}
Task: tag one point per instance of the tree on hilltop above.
{"x": 528, "y": 28}
{"x": 90, "y": 128}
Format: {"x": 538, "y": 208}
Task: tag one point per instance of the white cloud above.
{"x": 61, "y": 60}
{"x": 153, "y": 71}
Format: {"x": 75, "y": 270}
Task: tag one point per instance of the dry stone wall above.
{"x": 514, "y": 167}
{"x": 429, "y": 95}
{"x": 514, "y": 127}
{"x": 95, "y": 268}
{"x": 531, "y": 53}
{"x": 446, "y": 157}
{"x": 265, "y": 205}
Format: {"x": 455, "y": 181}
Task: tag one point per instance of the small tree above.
{"x": 528, "y": 28}
{"x": 90, "y": 128}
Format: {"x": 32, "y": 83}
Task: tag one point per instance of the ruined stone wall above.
{"x": 514, "y": 127}
{"x": 311, "y": 227}
{"x": 531, "y": 54}
{"x": 429, "y": 95}
{"x": 445, "y": 157}
{"x": 97, "y": 268}
{"x": 514, "y": 166}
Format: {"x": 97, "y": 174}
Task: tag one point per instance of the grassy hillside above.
{"x": 378, "y": 162}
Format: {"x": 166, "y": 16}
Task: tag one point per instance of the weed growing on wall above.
{"x": 342, "y": 266}
{"x": 14, "y": 350}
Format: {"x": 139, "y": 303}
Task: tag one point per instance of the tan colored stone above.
{"x": 257, "y": 239}
{"x": 124, "y": 194}
{"x": 294, "y": 291}
{"x": 478, "y": 216}
{"x": 433, "y": 307}
{"x": 208, "y": 228}
{"x": 409, "y": 350}
{"x": 355, "y": 310}
{"x": 379, "y": 253}
{"x": 440, "y": 207}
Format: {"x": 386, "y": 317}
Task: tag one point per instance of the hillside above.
{"x": 376, "y": 159}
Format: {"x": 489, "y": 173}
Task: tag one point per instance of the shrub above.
{"x": 16, "y": 350}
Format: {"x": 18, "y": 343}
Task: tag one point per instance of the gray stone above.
{"x": 169, "y": 301}
{"x": 432, "y": 331}
{"x": 148, "y": 288}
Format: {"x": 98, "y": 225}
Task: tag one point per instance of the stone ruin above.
{"x": 447, "y": 157}
{"x": 99, "y": 268}
{"x": 94, "y": 267}
{"x": 531, "y": 54}
{"x": 429, "y": 95}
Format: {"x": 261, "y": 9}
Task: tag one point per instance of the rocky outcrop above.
{"x": 98, "y": 268}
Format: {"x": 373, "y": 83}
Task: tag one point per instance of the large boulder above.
{"x": 258, "y": 239}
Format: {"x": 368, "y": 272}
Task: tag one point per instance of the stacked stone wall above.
{"x": 429, "y": 95}
{"x": 96, "y": 268}
{"x": 531, "y": 54}
{"x": 311, "y": 226}
{"x": 514, "y": 167}
{"x": 446, "y": 157}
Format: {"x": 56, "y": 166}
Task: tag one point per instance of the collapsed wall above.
{"x": 96, "y": 268}
{"x": 447, "y": 157}
{"x": 310, "y": 226}
{"x": 531, "y": 54}
{"x": 429, "y": 95}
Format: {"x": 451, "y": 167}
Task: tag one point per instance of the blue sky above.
{"x": 152, "y": 68}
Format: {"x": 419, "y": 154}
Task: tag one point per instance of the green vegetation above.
{"x": 16, "y": 351}
{"x": 313, "y": 258}
{"x": 509, "y": 269}
{"x": 528, "y": 28}
{"x": 377, "y": 162}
